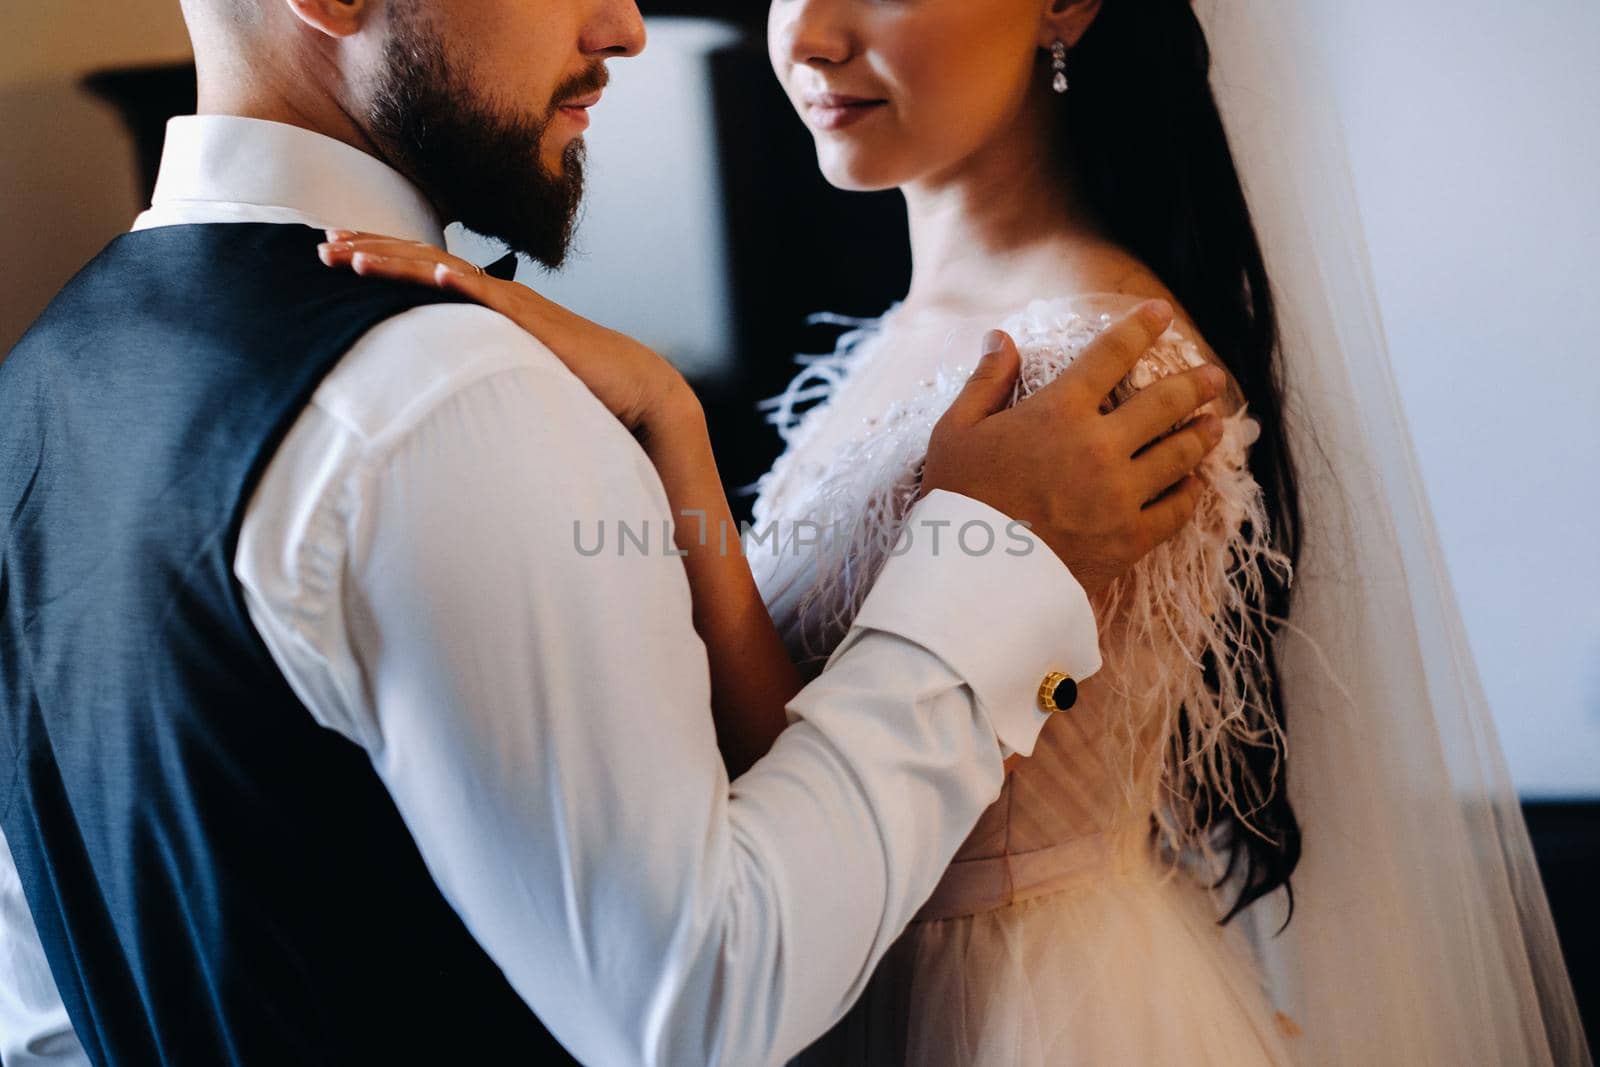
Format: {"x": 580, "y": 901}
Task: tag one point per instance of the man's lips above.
{"x": 577, "y": 108}
{"x": 834, "y": 111}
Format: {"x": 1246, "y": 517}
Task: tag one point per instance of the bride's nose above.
{"x": 813, "y": 32}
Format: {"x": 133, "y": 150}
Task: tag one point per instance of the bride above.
{"x": 1271, "y": 829}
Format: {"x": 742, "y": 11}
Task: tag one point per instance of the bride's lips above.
{"x": 835, "y": 111}
{"x": 577, "y": 109}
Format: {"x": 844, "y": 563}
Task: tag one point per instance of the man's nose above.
{"x": 616, "y": 30}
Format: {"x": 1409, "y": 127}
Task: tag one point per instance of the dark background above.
{"x": 788, "y": 228}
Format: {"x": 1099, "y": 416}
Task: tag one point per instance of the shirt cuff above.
{"x": 994, "y": 602}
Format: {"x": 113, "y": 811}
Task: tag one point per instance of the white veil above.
{"x": 1421, "y": 933}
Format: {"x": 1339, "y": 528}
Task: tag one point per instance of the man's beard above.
{"x": 479, "y": 168}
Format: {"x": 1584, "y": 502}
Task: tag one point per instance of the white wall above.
{"x": 1475, "y": 137}
{"x": 67, "y": 170}
{"x": 67, "y": 37}
{"x": 648, "y": 254}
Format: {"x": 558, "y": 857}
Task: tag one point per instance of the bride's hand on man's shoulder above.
{"x": 644, "y": 391}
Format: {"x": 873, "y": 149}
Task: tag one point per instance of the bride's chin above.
{"x": 855, "y": 176}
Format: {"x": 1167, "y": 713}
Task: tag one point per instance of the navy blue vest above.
{"x": 216, "y": 879}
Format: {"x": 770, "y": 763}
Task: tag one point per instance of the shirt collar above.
{"x": 227, "y": 159}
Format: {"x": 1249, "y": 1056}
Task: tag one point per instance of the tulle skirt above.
{"x": 1106, "y": 967}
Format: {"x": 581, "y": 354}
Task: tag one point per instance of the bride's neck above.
{"x": 989, "y": 233}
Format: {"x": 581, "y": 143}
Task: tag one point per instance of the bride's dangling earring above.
{"x": 1058, "y": 63}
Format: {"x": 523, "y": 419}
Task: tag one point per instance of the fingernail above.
{"x": 1214, "y": 377}
{"x": 993, "y": 341}
{"x": 339, "y": 235}
{"x": 337, "y": 246}
{"x": 1156, "y": 312}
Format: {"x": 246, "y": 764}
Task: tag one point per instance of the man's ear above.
{"x": 336, "y": 18}
{"x": 1067, "y": 21}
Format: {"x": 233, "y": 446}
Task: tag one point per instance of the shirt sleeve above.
{"x": 34, "y": 1028}
{"x": 1001, "y": 624}
{"x": 505, "y": 627}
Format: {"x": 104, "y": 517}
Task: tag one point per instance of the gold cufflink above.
{"x": 1057, "y": 692}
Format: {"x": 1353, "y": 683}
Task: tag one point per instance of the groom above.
{"x": 319, "y": 740}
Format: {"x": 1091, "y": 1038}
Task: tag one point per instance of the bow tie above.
{"x": 504, "y": 268}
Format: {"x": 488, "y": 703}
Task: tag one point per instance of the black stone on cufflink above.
{"x": 1057, "y": 692}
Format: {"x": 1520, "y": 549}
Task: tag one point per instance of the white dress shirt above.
{"x": 542, "y": 717}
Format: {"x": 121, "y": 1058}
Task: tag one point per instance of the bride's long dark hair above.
{"x": 1147, "y": 152}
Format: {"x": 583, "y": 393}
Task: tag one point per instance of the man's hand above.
{"x": 1101, "y": 490}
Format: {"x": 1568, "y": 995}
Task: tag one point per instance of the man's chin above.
{"x": 532, "y": 210}
{"x": 559, "y": 165}
{"x": 546, "y": 238}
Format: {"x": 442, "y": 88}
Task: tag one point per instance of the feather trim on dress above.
{"x": 1199, "y": 593}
